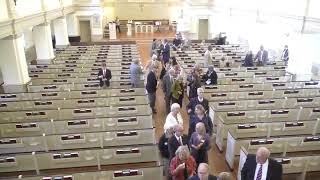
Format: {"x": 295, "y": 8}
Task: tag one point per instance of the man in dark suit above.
{"x": 104, "y": 75}
{"x": 211, "y": 77}
{"x": 261, "y": 57}
{"x": 261, "y": 167}
{"x": 198, "y": 100}
{"x": 166, "y": 51}
{"x": 151, "y": 87}
{"x": 178, "y": 139}
{"x": 167, "y": 82}
{"x": 164, "y": 150}
{"x": 203, "y": 173}
{"x": 285, "y": 55}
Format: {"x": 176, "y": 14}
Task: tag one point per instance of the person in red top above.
{"x": 183, "y": 165}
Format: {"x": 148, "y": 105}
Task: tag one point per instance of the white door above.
{"x": 203, "y": 29}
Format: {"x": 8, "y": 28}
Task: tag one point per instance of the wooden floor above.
{"x": 216, "y": 159}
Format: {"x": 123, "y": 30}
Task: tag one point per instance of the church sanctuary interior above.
{"x": 159, "y": 90}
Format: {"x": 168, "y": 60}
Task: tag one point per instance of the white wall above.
{"x": 304, "y": 51}
{"x": 50, "y": 4}
{"x": 95, "y": 17}
{"x": 108, "y": 13}
{"x": 72, "y": 25}
{"x": 28, "y": 7}
{"x": 28, "y": 38}
{"x": 67, "y": 2}
{"x": 142, "y": 12}
{"x": 314, "y": 9}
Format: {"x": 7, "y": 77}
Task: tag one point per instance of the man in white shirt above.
{"x": 261, "y": 167}
{"x": 208, "y": 57}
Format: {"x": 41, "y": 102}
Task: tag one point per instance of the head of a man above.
{"x": 210, "y": 68}
{"x": 104, "y": 66}
{"x": 200, "y": 92}
{"x": 136, "y": 61}
{"x": 203, "y": 171}
{"x": 178, "y": 130}
{"x": 165, "y": 41}
{"x": 286, "y": 46}
{"x": 210, "y": 48}
{"x": 169, "y": 132}
{"x": 262, "y": 155}
{"x": 261, "y": 48}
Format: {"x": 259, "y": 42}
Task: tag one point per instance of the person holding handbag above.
{"x": 177, "y": 91}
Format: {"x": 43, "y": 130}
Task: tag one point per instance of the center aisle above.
{"x": 216, "y": 159}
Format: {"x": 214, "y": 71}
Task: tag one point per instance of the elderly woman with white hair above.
{"x": 135, "y": 73}
{"x": 183, "y": 165}
{"x": 173, "y": 118}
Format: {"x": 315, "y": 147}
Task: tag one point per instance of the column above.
{"x": 73, "y": 28}
{"x": 43, "y": 43}
{"x": 11, "y": 8}
{"x": 13, "y": 64}
{"x": 61, "y": 32}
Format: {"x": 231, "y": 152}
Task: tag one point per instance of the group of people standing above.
{"x": 186, "y": 155}
{"x": 261, "y": 58}
{"x": 183, "y": 153}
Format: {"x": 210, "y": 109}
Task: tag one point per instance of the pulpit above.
{"x": 129, "y": 27}
{"x": 112, "y": 30}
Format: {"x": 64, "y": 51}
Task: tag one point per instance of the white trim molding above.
{"x": 15, "y": 26}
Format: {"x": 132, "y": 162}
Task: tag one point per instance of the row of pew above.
{"x": 273, "y": 110}
{"x": 67, "y": 125}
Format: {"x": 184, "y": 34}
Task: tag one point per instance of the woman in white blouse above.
{"x": 173, "y": 118}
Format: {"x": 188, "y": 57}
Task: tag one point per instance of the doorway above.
{"x": 85, "y": 31}
{"x": 203, "y": 29}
